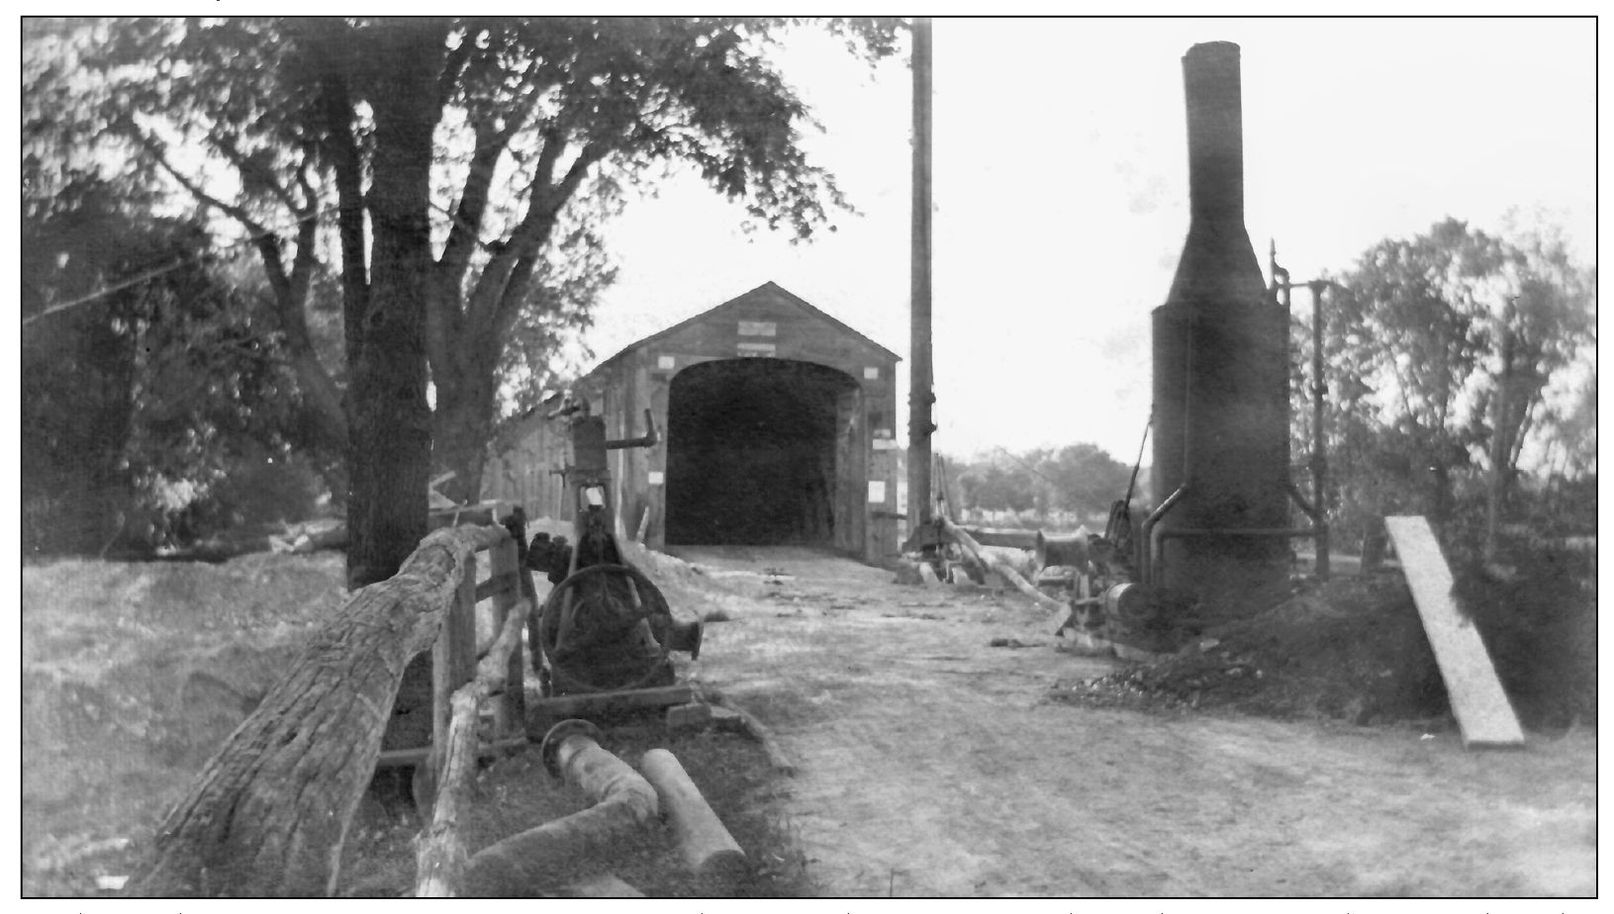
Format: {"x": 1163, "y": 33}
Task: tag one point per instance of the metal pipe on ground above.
{"x": 707, "y": 848}
{"x": 624, "y": 803}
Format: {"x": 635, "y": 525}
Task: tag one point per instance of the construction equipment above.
{"x": 605, "y": 627}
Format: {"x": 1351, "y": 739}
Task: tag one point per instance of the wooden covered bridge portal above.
{"x": 778, "y": 428}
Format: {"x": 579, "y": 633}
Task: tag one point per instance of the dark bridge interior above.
{"x": 751, "y": 454}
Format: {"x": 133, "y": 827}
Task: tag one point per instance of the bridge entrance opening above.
{"x": 759, "y": 453}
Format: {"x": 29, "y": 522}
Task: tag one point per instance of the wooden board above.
{"x": 1483, "y": 713}
{"x": 548, "y": 711}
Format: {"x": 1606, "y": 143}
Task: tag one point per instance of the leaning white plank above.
{"x": 1483, "y": 713}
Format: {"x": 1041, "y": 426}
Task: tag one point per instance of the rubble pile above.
{"x": 1353, "y": 648}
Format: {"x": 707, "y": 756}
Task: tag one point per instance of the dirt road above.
{"x": 929, "y": 764}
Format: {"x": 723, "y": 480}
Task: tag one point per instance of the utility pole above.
{"x": 920, "y": 379}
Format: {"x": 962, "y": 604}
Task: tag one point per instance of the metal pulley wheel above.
{"x": 603, "y": 616}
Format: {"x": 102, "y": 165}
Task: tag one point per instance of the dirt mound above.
{"x": 1353, "y": 648}
{"x": 133, "y": 673}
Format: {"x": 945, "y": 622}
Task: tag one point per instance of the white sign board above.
{"x": 876, "y": 491}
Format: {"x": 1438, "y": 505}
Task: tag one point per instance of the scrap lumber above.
{"x": 1483, "y": 713}
{"x": 968, "y": 544}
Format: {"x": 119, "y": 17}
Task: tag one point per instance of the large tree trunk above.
{"x": 466, "y": 330}
{"x": 462, "y": 422}
{"x": 269, "y": 812}
{"x": 322, "y": 410}
{"x": 390, "y": 423}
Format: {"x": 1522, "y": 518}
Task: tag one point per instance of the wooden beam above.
{"x": 1483, "y": 713}
{"x": 399, "y": 758}
{"x": 597, "y": 703}
{"x": 498, "y": 584}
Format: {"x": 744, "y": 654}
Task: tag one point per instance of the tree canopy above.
{"x": 152, "y": 395}
{"x": 1450, "y": 357}
{"x": 1081, "y": 480}
{"x": 458, "y": 170}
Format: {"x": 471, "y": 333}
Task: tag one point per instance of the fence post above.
{"x": 453, "y": 656}
{"x": 511, "y": 707}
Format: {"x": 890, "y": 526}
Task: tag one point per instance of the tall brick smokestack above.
{"x": 1221, "y": 415}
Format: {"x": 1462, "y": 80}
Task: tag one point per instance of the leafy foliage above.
{"x": 526, "y": 134}
{"x": 1081, "y": 480}
{"x": 137, "y": 403}
{"x": 1420, "y": 339}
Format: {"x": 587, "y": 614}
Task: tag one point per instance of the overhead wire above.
{"x": 176, "y": 264}
{"x": 251, "y": 238}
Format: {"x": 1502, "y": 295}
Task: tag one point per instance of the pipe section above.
{"x": 707, "y": 848}
{"x": 542, "y": 856}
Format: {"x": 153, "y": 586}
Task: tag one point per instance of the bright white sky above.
{"x": 1061, "y": 191}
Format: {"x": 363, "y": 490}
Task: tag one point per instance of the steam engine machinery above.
{"x": 605, "y": 626}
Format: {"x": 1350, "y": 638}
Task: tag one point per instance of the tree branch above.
{"x": 310, "y": 195}
{"x": 249, "y": 169}
{"x": 267, "y": 242}
{"x": 158, "y": 151}
{"x": 496, "y": 306}
{"x": 465, "y": 226}
{"x": 337, "y": 112}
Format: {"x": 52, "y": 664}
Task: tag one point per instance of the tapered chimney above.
{"x": 1221, "y": 415}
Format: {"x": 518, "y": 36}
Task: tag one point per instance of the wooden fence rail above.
{"x": 269, "y": 812}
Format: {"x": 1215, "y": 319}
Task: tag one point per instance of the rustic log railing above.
{"x": 270, "y": 811}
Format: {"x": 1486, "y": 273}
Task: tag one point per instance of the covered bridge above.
{"x": 777, "y": 426}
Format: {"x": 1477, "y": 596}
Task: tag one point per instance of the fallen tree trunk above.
{"x": 625, "y": 802}
{"x": 441, "y": 858}
{"x": 270, "y": 810}
{"x": 968, "y": 544}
